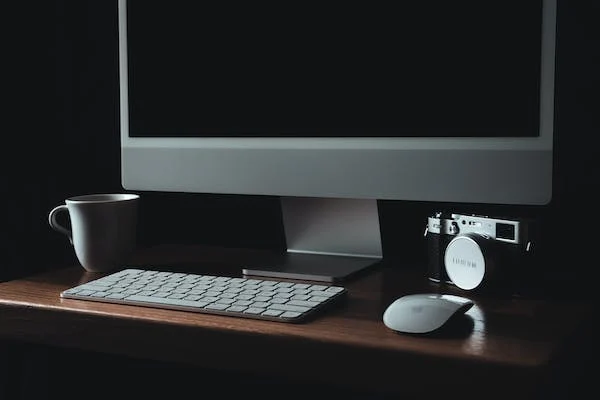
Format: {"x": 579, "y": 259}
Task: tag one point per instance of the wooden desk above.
{"x": 511, "y": 349}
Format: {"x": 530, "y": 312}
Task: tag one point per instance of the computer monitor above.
{"x": 333, "y": 107}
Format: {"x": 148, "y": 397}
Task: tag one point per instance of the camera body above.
{"x": 476, "y": 252}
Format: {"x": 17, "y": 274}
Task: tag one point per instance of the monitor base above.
{"x": 313, "y": 267}
{"x": 328, "y": 239}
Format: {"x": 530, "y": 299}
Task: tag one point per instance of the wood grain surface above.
{"x": 503, "y": 339}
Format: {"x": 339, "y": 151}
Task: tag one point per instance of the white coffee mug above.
{"x": 103, "y": 228}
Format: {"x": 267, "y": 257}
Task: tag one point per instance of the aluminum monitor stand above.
{"x": 328, "y": 240}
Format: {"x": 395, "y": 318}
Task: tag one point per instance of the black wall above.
{"x": 67, "y": 143}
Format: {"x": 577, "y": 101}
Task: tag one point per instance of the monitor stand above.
{"x": 328, "y": 240}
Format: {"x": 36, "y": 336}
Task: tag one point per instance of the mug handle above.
{"x": 54, "y": 224}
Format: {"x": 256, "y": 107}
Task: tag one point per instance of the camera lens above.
{"x": 467, "y": 261}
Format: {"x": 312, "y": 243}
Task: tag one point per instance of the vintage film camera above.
{"x": 475, "y": 252}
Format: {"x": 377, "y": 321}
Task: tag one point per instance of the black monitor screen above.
{"x": 334, "y": 69}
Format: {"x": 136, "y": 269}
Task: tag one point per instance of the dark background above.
{"x": 63, "y": 140}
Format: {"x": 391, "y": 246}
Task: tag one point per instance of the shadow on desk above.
{"x": 42, "y": 372}
{"x": 49, "y": 373}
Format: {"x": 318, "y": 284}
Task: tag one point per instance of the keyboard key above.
{"x": 254, "y": 310}
{"x": 167, "y": 301}
{"x": 286, "y": 307}
{"x": 272, "y": 313}
{"x": 303, "y": 303}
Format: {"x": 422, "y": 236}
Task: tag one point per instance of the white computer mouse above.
{"x": 423, "y": 312}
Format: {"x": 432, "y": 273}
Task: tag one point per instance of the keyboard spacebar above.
{"x": 166, "y": 301}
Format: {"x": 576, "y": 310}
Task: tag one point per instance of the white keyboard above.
{"x": 238, "y": 297}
